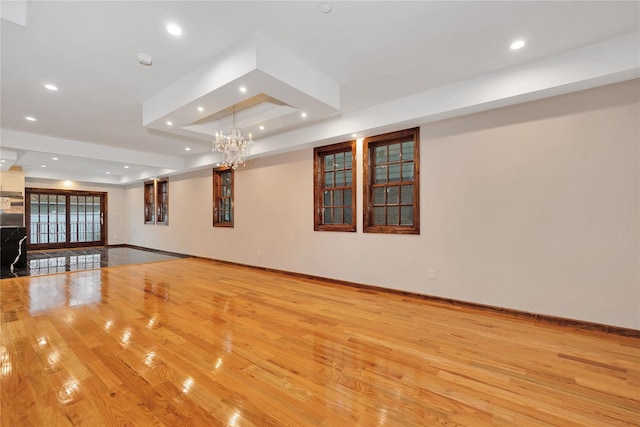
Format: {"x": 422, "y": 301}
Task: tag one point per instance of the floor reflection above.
{"x": 67, "y": 291}
{"x": 60, "y": 261}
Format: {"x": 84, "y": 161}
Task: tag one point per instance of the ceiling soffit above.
{"x": 279, "y": 89}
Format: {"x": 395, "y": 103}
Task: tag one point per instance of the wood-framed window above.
{"x": 156, "y": 201}
{"x": 392, "y": 183}
{"x": 162, "y": 201}
{"x": 223, "y": 197}
{"x": 149, "y": 202}
{"x": 334, "y": 187}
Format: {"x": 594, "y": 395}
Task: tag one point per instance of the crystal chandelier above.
{"x": 233, "y": 146}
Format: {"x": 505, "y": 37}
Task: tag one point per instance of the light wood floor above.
{"x": 193, "y": 342}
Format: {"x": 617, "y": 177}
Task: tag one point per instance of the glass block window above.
{"x": 334, "y": 187}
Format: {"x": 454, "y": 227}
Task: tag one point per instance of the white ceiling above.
{"x": 394, "y": 64}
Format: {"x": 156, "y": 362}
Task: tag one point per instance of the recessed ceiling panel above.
{"x": 264, "y": 84}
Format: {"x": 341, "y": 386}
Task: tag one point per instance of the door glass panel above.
{"x": 49, "y": 219}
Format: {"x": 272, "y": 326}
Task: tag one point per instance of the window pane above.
{"x": 328, "y": 179}
{"x": 328, "y": 162}
{"x": 327, "y": 198}
{"x": 406, "y": 194}
{"x": 407, "y": 171}
{"x": 348, "y": 159}
{"x": 394, "y": 153}
{"x": 337, "y": 215}
{"x": 378, "y": 196}
{"x": 381, "y": 155}
{"x": 340, "y": 179}
{"x": 378, "y": 216}
{"x": 348, "y": 213}
{"x": 348, "y": 178}
{"x": 327, "y": 216}
{"x": 407, "y": 150}
{"x": 406, "y": 215}
{"x": 392, "y": 215}
{"x": 393, "y": 196}
{"x": 337, "y": 198}
{"x": 381, "y": 174}
{"x": 339, "y": 161}
{"x": 394, "y": 173}
{"x": 347, "y": 197}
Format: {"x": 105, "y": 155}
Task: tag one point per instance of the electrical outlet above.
{"x": 432, "y": 274}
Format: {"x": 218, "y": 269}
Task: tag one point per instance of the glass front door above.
{"x": 65, "y": 219}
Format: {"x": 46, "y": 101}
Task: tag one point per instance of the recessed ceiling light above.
{"x": 187, "y": 149}
{"x": 354, "y": 135}
{"x": 2, "y": 161}
{"x": 261, "y": 127}
{"x": 243, "y": 89}
{"x": 169, "y": 123}
{"x": 43, "y": 166}
{"x": 303, "y": 115}
{"x": 54, "y": 158}
{"x": 126, "y": 167}
{"x": 174, "y": 29}
{"x": 108, "y": 173}
{"x": 200, "y": 109}
{"x": 30, "y": 118}
{"x": 325, "y": 8}
{"x": 518, "y": 44}
{"x": 51, "y": 87}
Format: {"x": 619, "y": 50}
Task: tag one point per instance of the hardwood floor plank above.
{"x": 192, "y": 342}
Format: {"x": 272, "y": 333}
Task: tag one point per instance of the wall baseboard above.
{"x": 545, "y": 318}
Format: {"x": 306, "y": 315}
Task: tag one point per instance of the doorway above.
{"x": 65, "y": 218}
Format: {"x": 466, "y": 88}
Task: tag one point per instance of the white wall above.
{"x": 116, "y": 209}
{"x": 534, "y": 207}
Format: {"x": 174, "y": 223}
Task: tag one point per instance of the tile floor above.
{"x": 60, "y": 261}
